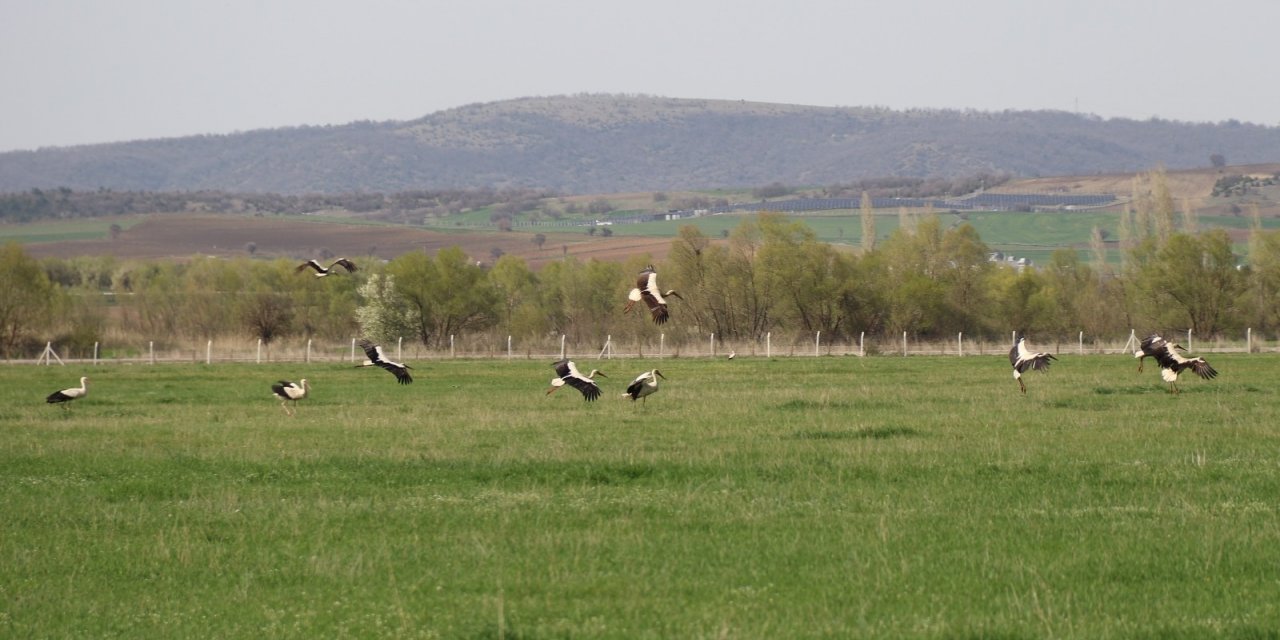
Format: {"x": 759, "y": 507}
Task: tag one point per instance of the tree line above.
{"x": 770, "y": 276}
{"x": 64, "y": 203}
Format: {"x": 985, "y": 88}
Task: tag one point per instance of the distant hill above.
{"x": 610, "y": 143}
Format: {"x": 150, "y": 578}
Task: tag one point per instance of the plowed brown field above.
{"x": 184, "y": 236}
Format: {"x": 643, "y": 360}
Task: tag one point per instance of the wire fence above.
{"x": 489, "y": 347}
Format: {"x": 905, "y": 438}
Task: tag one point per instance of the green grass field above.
{"x": 835, "y": 497}
{"x": 79, "y": 229}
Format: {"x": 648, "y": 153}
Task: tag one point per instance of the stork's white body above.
{"x": 322, "y": 271}
{"x": 567, "y": 373}
{"x": 288, "y": 391}
{"x": 1172, "y": 364}
{"x": 645, "y": 385}
{"x": 69, "y": 394}
{"x": 646, "y": 289}
{"x": 378, "y": 359}
{"x": 1023, "y": 359}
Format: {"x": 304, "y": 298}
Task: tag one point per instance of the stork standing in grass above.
{"x": 378, "y": 359}
{"x": 324, "y": 271}
{"x": 288, "y": 391}
{"x": 567, "y": 373}
{"x": 1172, "y": 364}
{"x": 67, "y": 395}
{"x": 645, "y": 384}
{"x": 1024, "y": 359}
{"x": 653, "y": 297}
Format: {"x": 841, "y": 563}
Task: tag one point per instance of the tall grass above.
{"x": 818, "y": 497}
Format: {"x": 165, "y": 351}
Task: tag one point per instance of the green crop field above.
{"x": 880, "y": 497}
{"x": 80, "y": 229}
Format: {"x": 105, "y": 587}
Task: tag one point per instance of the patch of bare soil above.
{"x": 184, "y": 236}
{"x": 1190, "y": 183}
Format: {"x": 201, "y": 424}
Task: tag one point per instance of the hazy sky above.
{"x": 87, "y": 71}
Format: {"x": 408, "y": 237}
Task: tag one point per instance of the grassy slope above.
{"x": 838, "y": 497}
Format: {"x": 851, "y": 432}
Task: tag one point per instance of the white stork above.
{"x": 69, "y": 394}
{"x": 568, "y": 373}
{"x": 1172, "y": 364}
{"x": 645, "y": 384}
{"x": 1150, "y": 347}
{"x": 287, "y": 391}
{"x": 647, "y": 290}
{"x": 324, "y": 271}
{"x": 376, "y": 358}
{"x": 1023, "y": 359}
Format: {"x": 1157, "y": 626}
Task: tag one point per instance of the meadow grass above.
{"x": 881, "y": 497}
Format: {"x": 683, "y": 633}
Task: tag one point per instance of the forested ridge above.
{"x": 614, "y": 143}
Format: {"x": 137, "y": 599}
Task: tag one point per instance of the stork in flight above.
{"x": 287, "y": 391}
{"x": 645, "y": 384}
{"x": 377, "y": 359}
{"x": 69, "y": 394}
{"x": 324, "y": 271}
{"x": 567, "y": 373}
{"x": 1023, "y": 359}
{"x": 1150, "y": 347}
{"x": 647, "y": 290}
{"x": 1172, "y": 364}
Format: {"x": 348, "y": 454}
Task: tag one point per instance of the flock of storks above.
{"x": 1172, "y": 363}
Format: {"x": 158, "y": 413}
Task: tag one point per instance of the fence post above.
{"x": 904, "y": 344}
{"x": 1189, "y": 341}
{"x": 713, "y": 345}
{"x": 451, "y": 346}
{"x": 151, "y": 350}
{"x": 353, "y": 351}
{"x": 662, "y": 343}
{"x": 562, "y": 346}
{"x": 817, "y": 340}
{"x": 768, "y": 344}
{"x": 308, "y": 350}
{"x": 1248, "y": 340}
{"x": 862, "y": 350}
{"x": 1081, "y": 343}
{"x": 95, "y": 353}
{"x": 399, "y": 348}
{"x": 960, "y": 344}
{"x": 208, "y": 352}
{"x": 508, "y": 347}
{"x": 259, "y": 350}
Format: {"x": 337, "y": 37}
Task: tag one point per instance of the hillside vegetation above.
{"x": 611, "y": 143}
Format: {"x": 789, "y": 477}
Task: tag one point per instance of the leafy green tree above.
{"x": 1190, "y": 281}
{"x": 962, "y": 268}
{"x": 868, "y": 223}
{"x": 209, "y": 286}
{"x": 447, "y": 295}
{"x": 1264, "y": 279}
{"x": 693, "y": 266}
{"x": 383, "y": 315}
{"x": 809, "y": 275}
{"x": 1022, "y": 302}
{"x": 265, "y": 307}
{"x": 587, "y": 296}
{"x": 516, "y": 290}
{"x": 27, "y": 298}
{"x": 157, "y": 304}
